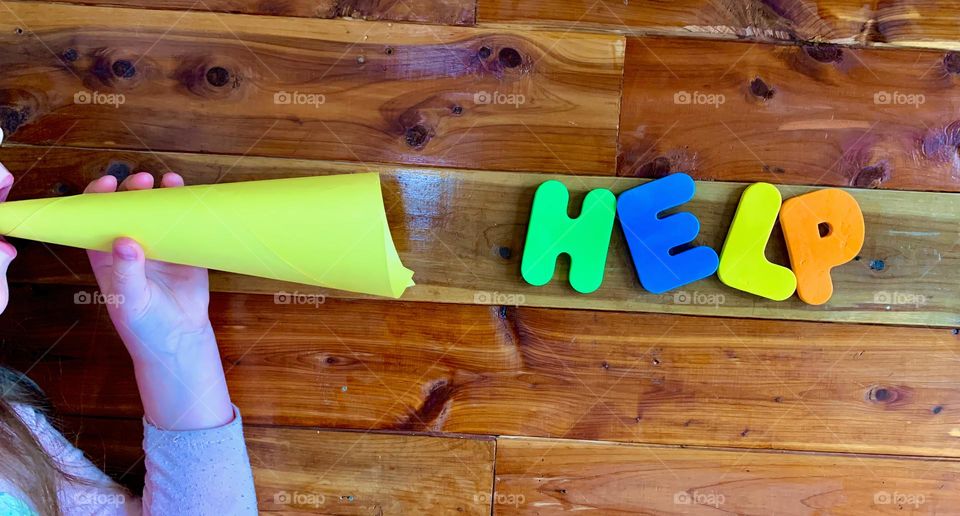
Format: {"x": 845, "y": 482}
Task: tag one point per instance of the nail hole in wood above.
{"x": 123, "y": 68}
{"x": 510, "y": 58}
{"x": 218, "y": 76}
{"x": 11, "y": 119}
{"x": 416, "y": 136}
{"x": 761, "y": 89}
{"x": 119, "y": 170}
{"x": 63, "y": 189}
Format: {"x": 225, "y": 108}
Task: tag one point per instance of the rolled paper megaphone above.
{"x": 328, "y": 231}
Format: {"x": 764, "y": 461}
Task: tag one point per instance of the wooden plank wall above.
{"x": 477, "y": 393}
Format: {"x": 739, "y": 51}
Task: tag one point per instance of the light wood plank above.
{"x": 470, "y": 369}
{"x": 536, "y": 476}
{"x": 366, "y": 473}
{"x": 822, "y": 115}
{"x": 444, "y": 12}
{"x": 462, "y": 232}
{"x": 911, "y": 23}
{"x": 310, "y": 471}
{"x": 241, "y": 84}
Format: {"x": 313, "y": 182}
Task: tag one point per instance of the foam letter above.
{"x": 586, "y": 239}
{"x": 743, "y": 265}
{"x": 812, "y": 255}
{"x": 650, "y": 238}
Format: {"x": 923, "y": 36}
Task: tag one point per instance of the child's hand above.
{"x": 160, "y": 312}
{"x": 157, "y": 307}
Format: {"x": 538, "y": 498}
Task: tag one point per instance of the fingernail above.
{"x": 126, "y": 252}
{"x": 7, "y": 179}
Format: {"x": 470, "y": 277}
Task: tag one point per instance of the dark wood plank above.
{"x": 115, "y": 445}
{"x": 536, "y": 476}
{"x": 910, "y": 23}
{"x": 328, "y": 89}
{"x": 444, "y": 12}
{"x": 791, "y": 114}
{"x": 462, "y": 233}
{"x": 526, "y": 371}
{"x": 311, "y": 471}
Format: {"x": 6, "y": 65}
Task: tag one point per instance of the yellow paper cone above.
{"x": 329, "y": 231}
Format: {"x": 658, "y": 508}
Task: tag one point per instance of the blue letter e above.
{"x": 651, "y": 238}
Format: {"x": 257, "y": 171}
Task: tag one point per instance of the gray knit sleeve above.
{"x": 198, "y": 472}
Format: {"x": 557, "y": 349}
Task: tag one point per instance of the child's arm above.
{"x": 195, "y": 454}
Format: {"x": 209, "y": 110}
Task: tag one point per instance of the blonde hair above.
{"x": 25, "y": 462}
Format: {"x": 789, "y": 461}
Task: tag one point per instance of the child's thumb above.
{"x": 129, "y": 275}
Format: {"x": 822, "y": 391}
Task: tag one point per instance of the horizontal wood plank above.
{"x": 824, "y": 115}
{"x": 651, "y": 378}
{"x": 913, "y": 23}
{"x": 444, "y": 12}
{"x": 310, "y": 471}
{"x": 331, "y": 89}
{"x": 536, "y": 476}
{"x": 462, "y": 232}
{"x": 115, "y": 445}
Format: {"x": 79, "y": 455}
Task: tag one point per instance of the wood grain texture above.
{"x": 470, "y": 369}
{"x": 925, "y": 23}
{"x": 310, "y": 471}
{"x": 781, "y": 20}
{"x": 536, "y": 476}
{"x": 443, "y": 12}
{"x": 328, "y": 89}
{"x": 462, "y": 233}
{"x": 791, "y": 114}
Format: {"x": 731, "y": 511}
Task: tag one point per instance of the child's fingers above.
{"x": 129, "y": 276}
{"x": 171, "y": 180}
{"x": 138, "y": 181}
{"x": 103, "y": 184}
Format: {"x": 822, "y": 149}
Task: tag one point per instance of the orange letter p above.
{"x": 823, "y": 229}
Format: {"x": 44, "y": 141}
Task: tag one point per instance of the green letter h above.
{"x": 586, "y": 239}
